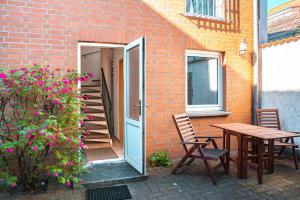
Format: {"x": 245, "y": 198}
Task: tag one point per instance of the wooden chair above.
{"x": 270, "y": 118}
{"x": 195, "y": 149}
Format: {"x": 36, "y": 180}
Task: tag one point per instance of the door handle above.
{"x": 138, "y": 105}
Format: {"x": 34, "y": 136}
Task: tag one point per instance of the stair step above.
{"x": 90, "y": 97}
{"x": 96, "y": 107}
{"x": 98, "y": 140}
{"x": 88, "y": 86}
{"x": 92, "y": 94}
{"x": 89, "y": 110}
{"x": 95, "y": 136}
{"x": 103, "y": 123}
{"x": 89, "y": 90}
{"x": 91, "y": 103}
{"x": 99, "y": 132}
{"x": 95, "y": 126}
{"x": 96, "y": 116}
{"x": 93, "y": 100}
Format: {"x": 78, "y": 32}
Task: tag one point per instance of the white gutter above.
{"x": 256, "y": 58}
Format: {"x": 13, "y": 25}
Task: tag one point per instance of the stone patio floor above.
{"x": 195, "y": 184}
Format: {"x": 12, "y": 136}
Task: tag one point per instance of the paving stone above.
{"x": 194, "y": 183}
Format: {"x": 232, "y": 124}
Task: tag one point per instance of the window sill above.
{"x": 207, "y": 113}
{"x": 197, "y": 16}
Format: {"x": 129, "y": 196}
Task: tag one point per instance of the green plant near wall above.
{"x": 40, "y": 113}
{"x": 160, "y": 159}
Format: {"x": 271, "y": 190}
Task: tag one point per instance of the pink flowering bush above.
{"x": 40, "y": 130}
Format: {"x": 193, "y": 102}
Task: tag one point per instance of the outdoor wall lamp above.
{"x": 243, "y": 47}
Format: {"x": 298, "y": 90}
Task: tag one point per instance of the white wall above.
{"x": 281, "y": 83}
{"x": 91, "y": 62}
{"x": 118, "y": 54}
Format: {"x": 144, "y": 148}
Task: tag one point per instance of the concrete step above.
{"x": 107, "y": 174}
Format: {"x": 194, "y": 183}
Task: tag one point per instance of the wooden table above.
{"x": 241, "y": 130}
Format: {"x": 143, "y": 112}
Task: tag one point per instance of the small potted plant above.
{"x": 160, "y": 159}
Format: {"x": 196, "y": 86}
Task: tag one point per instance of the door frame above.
{"x": 93, "y": 44}
{"x": 115, "y": 45}
{"x": 121, "y": 99}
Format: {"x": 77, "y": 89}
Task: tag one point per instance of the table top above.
{"x": 255, "y": 131}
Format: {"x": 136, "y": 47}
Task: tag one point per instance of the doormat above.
{"x": 100, "y": 154}
{"x": 119, "y": 192}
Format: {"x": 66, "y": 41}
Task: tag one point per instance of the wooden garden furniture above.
{"x": 196, "y": 149}
{"x": 261, "y": 134}
{"x": 257, "y": 154}
{"x": 269, "y": 118}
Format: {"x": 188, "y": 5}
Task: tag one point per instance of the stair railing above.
{"x": 107, "y": 104}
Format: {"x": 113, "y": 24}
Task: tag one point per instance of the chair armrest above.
{"x": 209, "y": 136}
{"x": 201, "y": 143}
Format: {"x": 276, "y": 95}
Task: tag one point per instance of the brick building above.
{"x": 187, "y": 44}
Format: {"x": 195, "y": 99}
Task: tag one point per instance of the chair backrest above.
{"x": 185, "y": 130}
{"x": 268, "y": 118}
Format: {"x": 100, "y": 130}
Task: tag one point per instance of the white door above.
{"x": 134, "y": 104}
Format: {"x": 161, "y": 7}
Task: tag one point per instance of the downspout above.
{"x": 256, "y": 57}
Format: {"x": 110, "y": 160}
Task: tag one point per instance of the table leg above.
{"x": 224, "y": 139}
{"x": 271, "y": 156}
{"x": 240, "y": 156}
{"x": 260, "y": 161}
{"x": 254, "y": 151}
{"x": 228, "y": 148}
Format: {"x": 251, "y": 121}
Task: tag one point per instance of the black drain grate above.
{"x": 119, "y": 192}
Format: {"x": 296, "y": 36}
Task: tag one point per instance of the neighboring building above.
{"x": 284, "y": 21}
{"x": 280, "y": 84}
{"x": 170, "y": 48}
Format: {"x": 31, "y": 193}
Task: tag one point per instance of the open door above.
{"x": 134, "y": 104}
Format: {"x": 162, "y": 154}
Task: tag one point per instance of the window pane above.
{"x": 188, "y": 6}
{"x": 214, "y": 8}
{"x": 133, "y": 65}
{"x": 202, "y": 80}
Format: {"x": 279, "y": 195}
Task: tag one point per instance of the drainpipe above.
{"x": 256, "y": 57}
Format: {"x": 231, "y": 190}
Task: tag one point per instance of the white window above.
{"x": 206, "y": 8}
{"x": 204, "y": 82}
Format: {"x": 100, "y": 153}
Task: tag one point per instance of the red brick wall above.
{"x": 47, "y": 32}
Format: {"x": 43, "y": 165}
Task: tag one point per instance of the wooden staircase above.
{"x": 97, "y": 123}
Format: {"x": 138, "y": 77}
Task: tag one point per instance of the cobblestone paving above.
{"x": 195, "y": 184}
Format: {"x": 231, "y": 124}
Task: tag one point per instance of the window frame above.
{"x": 207, "y": 107}
{"x": 223, "y": 18}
